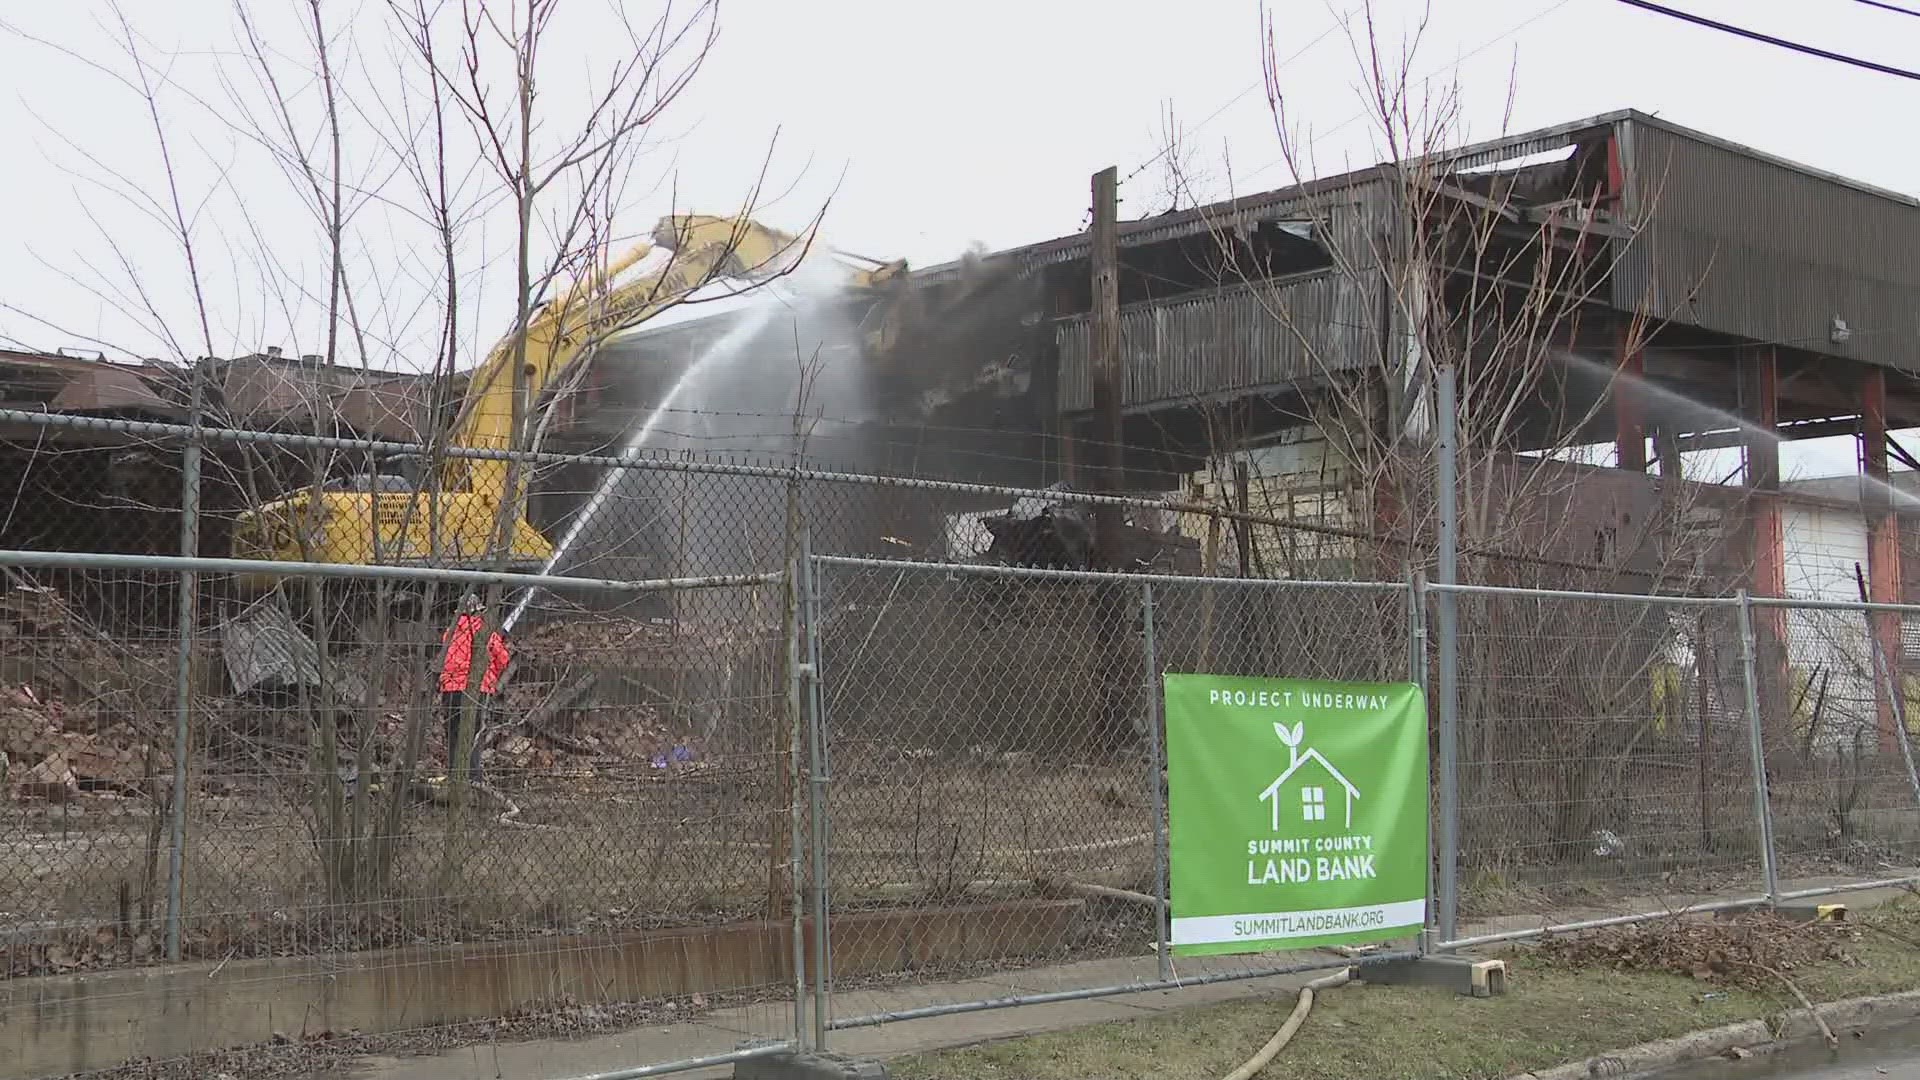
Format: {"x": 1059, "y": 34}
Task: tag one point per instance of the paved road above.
{"x": 1900, "y": 1064}
{"x": 1893, "y": 1052}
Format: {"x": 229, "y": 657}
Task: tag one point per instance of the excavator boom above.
{"x": 476, "y": 510}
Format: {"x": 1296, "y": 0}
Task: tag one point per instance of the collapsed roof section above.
{"x": 1686, "y": 230}
{"x": 265, "y": 391}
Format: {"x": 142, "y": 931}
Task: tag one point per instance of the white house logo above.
{"x": 1309, "y": 774}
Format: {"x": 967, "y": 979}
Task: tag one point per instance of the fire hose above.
{"x": 1294, "y": 1019}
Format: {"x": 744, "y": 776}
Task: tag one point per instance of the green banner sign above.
{"x": 1297, "y": 812}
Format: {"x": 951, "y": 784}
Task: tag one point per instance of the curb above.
{"x": 1853, "y": 1014}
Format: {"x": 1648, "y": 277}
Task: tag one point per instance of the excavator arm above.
{"x": 457, "y": 524}
{"x": 700, "y": 249}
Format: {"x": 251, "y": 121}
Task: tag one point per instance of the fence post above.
{"x": 183, "y": 664}
{"x": 818, "y": 776}
{"x": 1417, "y": 673}
{"x": 1762, "y": 803}
{"x": 1445, "y": 610}
{"x": 796, "y": 681}
{"x": 1155, "y": 768}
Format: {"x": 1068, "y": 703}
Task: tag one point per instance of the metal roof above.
{"x": 1211, "y": 216}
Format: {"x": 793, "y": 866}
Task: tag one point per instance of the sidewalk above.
{"x": 727, "y": 1029}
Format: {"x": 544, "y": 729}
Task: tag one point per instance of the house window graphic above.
{"x": 1313, "y": 776}
{"x": 1313, "y": 803}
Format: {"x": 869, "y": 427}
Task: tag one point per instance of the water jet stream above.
{"x": 727, "y": 347}
{"x": 1723, "y": 420}
{"x": 712, "y": 373}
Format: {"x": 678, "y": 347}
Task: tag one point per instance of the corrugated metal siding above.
{"x": 1250, "y": 336}
{"x": 1758, "y": 249}
{"x": 1231, "y": 340}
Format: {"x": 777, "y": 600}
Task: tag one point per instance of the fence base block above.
{"x": 1474, "y": 978}
{"x": 1812, "y": 912}
{"x": 1797, "y": 911}
{"x": 809, "y": 1066}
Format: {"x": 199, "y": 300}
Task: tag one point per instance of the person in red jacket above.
{"x": 456, "y": 674}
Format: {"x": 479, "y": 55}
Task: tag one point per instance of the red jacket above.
{"x": 456, "y": 668}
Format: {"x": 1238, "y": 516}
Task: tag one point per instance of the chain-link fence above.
{"x": 775, "y": 752}
{"x": 1604, "y": 759}
{"x": 1845, "y": 802}
{"x": 1623, "y": 757}
{"x": 617, "y": 848}
{"x": 996, "y": 768}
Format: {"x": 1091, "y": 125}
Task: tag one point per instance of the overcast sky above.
{"x": 924, "y": 128}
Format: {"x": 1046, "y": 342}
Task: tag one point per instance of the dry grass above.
{"x": 1554, "y": 1012}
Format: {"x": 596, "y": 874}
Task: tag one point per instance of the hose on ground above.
{"x": 1294, "y": 1019}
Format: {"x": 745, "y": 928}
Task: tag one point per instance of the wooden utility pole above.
{"x": 1104, "y": 359}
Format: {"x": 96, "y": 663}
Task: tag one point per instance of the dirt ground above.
{"x": 619, "y": 848}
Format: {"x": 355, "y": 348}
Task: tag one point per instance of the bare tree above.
{"x": 399, "y": 135}
{"x": 1501, "y": 269}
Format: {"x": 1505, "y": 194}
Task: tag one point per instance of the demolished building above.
{"x": 1244, "y": 324}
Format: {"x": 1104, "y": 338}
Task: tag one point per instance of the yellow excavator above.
{"x": 458, "y": 521}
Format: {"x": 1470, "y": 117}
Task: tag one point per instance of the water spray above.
{"x": 710, "y": 372}
{"x": 1726, "y": 420}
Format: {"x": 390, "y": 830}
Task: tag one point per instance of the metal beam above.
{"x": 1810, "y": 429}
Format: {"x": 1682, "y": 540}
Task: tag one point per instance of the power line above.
{"x": 1456, "y": 62}
{"x": 1248, "y": 89}
{"x": 1884, "y": 6}
{"x": 1769, "y": 39}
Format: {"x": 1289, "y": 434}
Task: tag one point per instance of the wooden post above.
{"x": 1104, "y": 359}
{"x": 1242, "y": 532}
{"x": 1762, "y": 409}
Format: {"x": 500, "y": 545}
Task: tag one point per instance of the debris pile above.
{"x": 1749, "y": 950}
{"x": 627, "y": 739}
{"x": 622, "y": 691}
{"x": 53, "y": 745}
{"x": 54, "y": 762}
{"x": 1058, "y": 534}
{"x": 82, "y": 712}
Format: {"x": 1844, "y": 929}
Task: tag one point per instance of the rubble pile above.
{"x": 57, "y": 737}
{"x": 630, "y": 737}
{"x": 573, "y": 700}
{"x": 558, "y": 642}
{"x": 49, "y": 760}
{"x": 82, "y": 712}
{"x": 600, "y": 692}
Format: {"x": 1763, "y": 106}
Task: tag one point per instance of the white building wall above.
{"x": 1828, "y": 649}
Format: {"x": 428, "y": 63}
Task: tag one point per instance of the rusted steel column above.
{"x": 1883, "y": 548}
{"x": 1629, "y": 401}
{"x": 1760, "y": 406}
